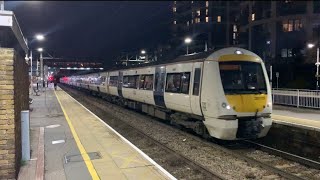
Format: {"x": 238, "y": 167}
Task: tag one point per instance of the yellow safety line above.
{"x": 281, "y": 117}
{"x": 83, "y": 152}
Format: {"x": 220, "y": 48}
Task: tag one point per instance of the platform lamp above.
{"x": 310, "y": 45}
{"x": 187, "y": 41}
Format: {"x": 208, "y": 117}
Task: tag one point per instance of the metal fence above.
{"x": 297, "y": 97}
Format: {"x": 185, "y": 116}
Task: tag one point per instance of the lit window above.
{"x": 234, "y": 35}
{"x": 207, "y": 3}
{"x": 235, "y": 28}
{"x": 188, "y": 23}
{"x": 175, "y": 2}
{"x": 174, "y": 22}
{"x": 290, "y": 26}
{"x": 198, "y": 12}
{"x": 253, "y": 16}
{"x": 207, "y": 19}
{"x": 174, "y": 9}
{"x": 191, "y": 2}
{"x": 289, "y": 52}
{"x": 197, "y": 20}
{"x": 284, "y": 53}
{"x": 285, "y": 26}
{"x": 219, "y": 19}
{"x": 191, "y": 21}
{"x": 297, "y": 25}
{"x": 207, "y": 12}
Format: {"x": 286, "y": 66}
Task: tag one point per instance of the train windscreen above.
{"x": 242, "y": 77}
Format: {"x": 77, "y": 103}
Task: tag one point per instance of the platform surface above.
{"x": 106, "y": 154}
{"x": 298, "y": 118}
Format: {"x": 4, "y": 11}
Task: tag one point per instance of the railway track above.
{"x": 275, "y": 163}
{"x": 292, "y": 164}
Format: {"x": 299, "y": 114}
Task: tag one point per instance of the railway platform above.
{"x": 70, "y": 142}
{"x": 301, "y": 118}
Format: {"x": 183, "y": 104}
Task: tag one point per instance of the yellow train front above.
{"x": 236, "y": 95}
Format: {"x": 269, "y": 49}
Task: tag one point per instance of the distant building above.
{"x": 279, "y": 32}
{"x": 210, "y": 24}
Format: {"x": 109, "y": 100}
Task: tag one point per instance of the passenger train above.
{"x": 224, "y": 93}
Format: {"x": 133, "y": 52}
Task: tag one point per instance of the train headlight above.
{"x": 238, "y": 52}
{"x": 224, "y": 105}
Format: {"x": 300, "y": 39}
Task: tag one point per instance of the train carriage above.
{"x": 223, "y": 93}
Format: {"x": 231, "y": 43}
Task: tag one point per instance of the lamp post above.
{"x": 41, "y": 67}
{"x": 144, "y": 53}
{"x": 38, "y": 37}
{"x": 310, "y": 45}
{"x": 187, "y": 41}
{"x": 2, "y": 5}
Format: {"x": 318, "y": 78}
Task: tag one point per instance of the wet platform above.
{"x": 79, "y": 145}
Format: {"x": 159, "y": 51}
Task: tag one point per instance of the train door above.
{"x": 120, "y": 79}
{"x": 107, "y": 82}
{"x": 196, "y": 88}
{"x": 158, "y": 94}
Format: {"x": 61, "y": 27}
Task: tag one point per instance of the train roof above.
{"x": 184, "y": 58}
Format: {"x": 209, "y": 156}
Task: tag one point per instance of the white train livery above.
{"x": 224, "y": 93}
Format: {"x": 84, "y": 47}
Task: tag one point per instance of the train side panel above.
{"x": 112, "y": 84}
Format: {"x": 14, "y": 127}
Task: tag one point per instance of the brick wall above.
{"x": 13, "y": 98}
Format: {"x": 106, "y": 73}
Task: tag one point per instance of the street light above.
{"x": 39, "y": 37}
{"x": 145, "y": 55}
{"x": 310, "y": 45}
{"x": 187, "y": 41}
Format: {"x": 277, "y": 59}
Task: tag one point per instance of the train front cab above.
{"x": 236, "y": 95}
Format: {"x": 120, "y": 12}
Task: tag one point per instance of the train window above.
{"x": 125, "y": 81}
{"x": 141, "y": 82}
{"x": 185, "y": 79}
{"x": 196, "y": 81}
{"x": 103, "y": 80}
{"x": 178, "y": 82}
{"x": 113, "y": 81}
{"x": 131, "y": 82}
{"x": 242, "y": 77}
{"x": 173, "y": 82}
{"x": 146, "y": 82}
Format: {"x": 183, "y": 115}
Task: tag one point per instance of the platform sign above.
{"x": 277, "y": 74}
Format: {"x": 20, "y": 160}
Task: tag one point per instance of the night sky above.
{"x": 97, "y": 31}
